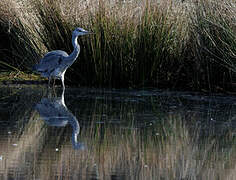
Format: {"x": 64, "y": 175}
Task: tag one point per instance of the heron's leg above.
{"x": 49, "y": 79}
{"x": 54, "y": 91}
{"x": 54, "y": 82}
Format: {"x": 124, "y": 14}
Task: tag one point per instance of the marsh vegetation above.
{"x": 166, "y": 44}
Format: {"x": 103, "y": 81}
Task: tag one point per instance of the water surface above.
{"x": 87, "y": 133}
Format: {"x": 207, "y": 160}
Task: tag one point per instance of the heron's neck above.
{"x": 76, "y": 50}
{"x": 62, "y": 98}
{"x": 76, "y": 130}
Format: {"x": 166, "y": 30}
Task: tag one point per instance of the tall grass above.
{"x": 136, "y": 43}
{"x": 214, "y": 42}
{"x": 18, "y": 46}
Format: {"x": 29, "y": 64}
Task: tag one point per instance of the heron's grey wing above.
{"x": 50, "y": 61}
{"x": 56, "y": 53}
{"x": 52, "y": 111}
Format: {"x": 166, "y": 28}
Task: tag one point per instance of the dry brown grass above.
{"x": 136, "y": 43}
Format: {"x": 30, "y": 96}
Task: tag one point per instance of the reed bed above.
{"x": 169, "y": 44}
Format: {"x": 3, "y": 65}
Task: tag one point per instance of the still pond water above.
{"x": 115, "y": 134}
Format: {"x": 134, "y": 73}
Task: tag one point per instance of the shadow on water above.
{"x": 129, "y": 134}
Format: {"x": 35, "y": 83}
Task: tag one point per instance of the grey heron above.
{"x": 55, "y": 63}
{"x": 54, "y": 112}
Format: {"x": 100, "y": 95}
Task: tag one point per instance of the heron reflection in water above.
{"x": 55, "y": 113}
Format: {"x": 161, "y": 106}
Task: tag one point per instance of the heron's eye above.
{"x": 81, "y": 30}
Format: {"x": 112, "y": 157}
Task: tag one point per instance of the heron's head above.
{"x": 80, "y": 32}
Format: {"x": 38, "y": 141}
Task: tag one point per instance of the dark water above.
{"x": 115, "y": 134}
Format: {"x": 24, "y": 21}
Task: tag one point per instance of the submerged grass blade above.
{"x": 9, "y": 66}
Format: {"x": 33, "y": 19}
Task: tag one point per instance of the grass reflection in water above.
{"x": 169, "y": 148}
